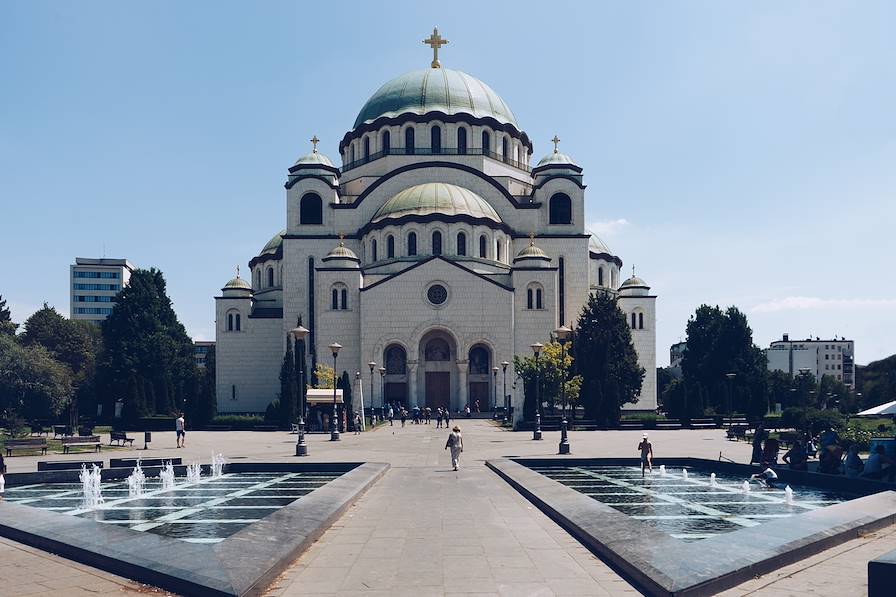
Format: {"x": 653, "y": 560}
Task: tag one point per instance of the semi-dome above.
{"x": 435, "y": 90}
{"x": 436, "y": 198}
{"x": 274, "y": 244}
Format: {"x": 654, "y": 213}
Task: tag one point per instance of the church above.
{"x": 434, "y": 254}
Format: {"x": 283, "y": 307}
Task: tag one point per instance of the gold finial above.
{"x": 531, "y": 239}
{"x": 556, "y": 142}
{"x": 314, "y": 142}
{"x": 435, "y": 41}
{"x": 342, "y": 239}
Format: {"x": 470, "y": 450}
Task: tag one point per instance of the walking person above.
{"x": 179, "y": 429}
{"x": 646, "y": 449}
{"x": 391, "y": 415}
{"x": 357, "y": 424}
{"x": 404, "y": 416}
{"x": 447, "y": 417}
{"x": 439, "y": 418}
{"x": 456, "y": 444}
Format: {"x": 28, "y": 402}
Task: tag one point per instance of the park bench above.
{"x": 39, "y": 428}
{"x": 81, "y": 440}
{"x": 61, "y": 431}
{"x": 121, "y": 437}
{"x": 737, "y": 432}
{"x": 31, "y": 443}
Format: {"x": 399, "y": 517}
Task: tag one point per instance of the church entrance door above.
{"x": 438, "y": 389}
{"x": 479, "y": 392}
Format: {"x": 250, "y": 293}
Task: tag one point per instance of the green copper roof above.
{"x": 555, "y": 158}
{"x": 436, "y": 198}
{"x": 273, "y": 244}
{"x": 435, "y": 90}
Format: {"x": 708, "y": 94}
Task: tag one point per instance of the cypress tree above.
{"x": 288, "y": 386}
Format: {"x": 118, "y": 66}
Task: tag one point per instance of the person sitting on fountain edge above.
{"x": 767, "y": 478}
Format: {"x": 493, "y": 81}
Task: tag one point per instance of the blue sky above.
{"x": 736, "y": 153}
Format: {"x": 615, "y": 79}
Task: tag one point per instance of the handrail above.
{"x": 429, "y": 151}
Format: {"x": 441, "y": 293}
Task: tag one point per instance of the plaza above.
{"x": 423, "y": 529}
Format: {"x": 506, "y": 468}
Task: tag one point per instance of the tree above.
{"x": 289, "y": 387}
{"x": 204, "y": 403}
{"x": 877, "y": 382}
{"x": 32, "y": 383}
{"x": 779, "y": 385}
{"x": 551, "y": 365}
{"x": 606, "y": 360}
{"x": 148, "y": 357}
{"x": 345, "y": 384}
{"x": 324, "y": 375}
{"x": 7, "y": 327}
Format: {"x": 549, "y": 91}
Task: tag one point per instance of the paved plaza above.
{"x": 426, "y": 530}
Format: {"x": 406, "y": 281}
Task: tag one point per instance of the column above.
{"x": 463, "y": 388}
{"x": 412, "y": 384}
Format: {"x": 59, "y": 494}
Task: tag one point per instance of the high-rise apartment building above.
{"x": 94, "y": 284}
{"x": 821, "y": 357}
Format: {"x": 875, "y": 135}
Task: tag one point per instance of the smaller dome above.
{"x": 556, "y": 159}
{"x": 436, "y": 198}
{"x": 315, "y": 158}
{"x": 531, "y": 252}
{"x": 596, "y": 245}
{"x": 343, "y": 253}
{"x": 634, "y": 282}
{"x": 275, "y": 243}
{"x": 237, "y": 284}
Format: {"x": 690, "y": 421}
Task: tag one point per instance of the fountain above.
{"x": 745, "y": 487}
{"x": 684, "y": 474}
{"x": 167, "y": 476}
{"x": 194, "y": 472}
{"x": 91, "y": 482}
{"x": 712, "y": 480}
{"x": 663, "y": 470}
{"x": 136, "y": 481}
{"x": 217, "y": 465}
{"x": 788, "y": 496}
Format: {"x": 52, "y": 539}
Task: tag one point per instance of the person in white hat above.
{"x": 646, "y": 449}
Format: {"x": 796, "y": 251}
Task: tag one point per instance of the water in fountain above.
{"x": 788, "y": 496}
{"x": 167, "y": 476}
{"x": 663, "y": 470}
{"x": 684, "y": 473}
{"x": 136, "y": 481}
{"x": 194, "y": 473}
{"x": 712, "y": 479}
{"x": 745, "y": 487}
{"x": 217, "y": 465}
{"x": 91, "y": 482}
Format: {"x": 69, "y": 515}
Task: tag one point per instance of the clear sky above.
{"x": 736, "y": 153}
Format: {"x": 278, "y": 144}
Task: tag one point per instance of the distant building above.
{"x": 676, "y": 354}
{"x": 821, "y": 357}
{"x": 200, "y": 351}
{"x": 94, "y": 284}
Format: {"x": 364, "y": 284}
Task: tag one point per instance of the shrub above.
{"x": 272, "y": 413}
{"x": 243, "y": 422}
{"x": 855, "y": 434}
{"x": 794, "y": 418}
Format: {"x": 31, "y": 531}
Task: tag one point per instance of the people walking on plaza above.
{"x": 439, "y": 418}
{"x": 179, "y": 428}
{"x": 447, "y": 417}
{"x": 467, "y": 410}
{"x": 391, "y": 415}
{"x": 646, "y": 449}
{"x": 456, "y": 444}
{"x": 357, "y": 424}
{"x": 404, "y": 416}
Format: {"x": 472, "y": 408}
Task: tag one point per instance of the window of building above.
{"x": 461, "y": 243}
{"x": 462, "y": 141}
{"x": 498, "y": 250}
{"x": 486, "y": 143}
{"x": 351, "y": 154}
{"x": 396, "y": 360}
{"x": 479, "y": 360}
{"x": 237, "y": 321}
{"x": 529, "y": 298}
{"x": 334, "y": 299}
{"x": 311, "y": 209}
{"x": 339, "y": 297}
{"x": 233, "y": 392}
{"x": 390, "y": 247}
{"x": 560, "y": 208}
{"x": 270, "y": 277}
{"x": 412, "y": 244}
{"x": 483, "y": 247}
{"x": 640, "y": 321}
{"x": 600, "y": 276}
{"x": 343, "y": 303}
{"x": 634, "y": 321}
{"x": 539, "y": 304}
{"x": 230, "y": 322}
{"x": 373, "y": 250}
{"x": 409, "y": 140}
{"x": 534, "y": 297}
{"x": 387, "y": 142}
{"x": 504, "y": 149}
{"x": 366, "y": 148}
{"x": 435, "y": 139}
{"x": 436, "y": 243}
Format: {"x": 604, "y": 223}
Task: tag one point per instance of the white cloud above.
{"x": 803, "y": 303}
{"x": 607, "y": 228}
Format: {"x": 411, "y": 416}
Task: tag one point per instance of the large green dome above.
{"x": 435, "y": 90}
{"x": 436, "y": 198}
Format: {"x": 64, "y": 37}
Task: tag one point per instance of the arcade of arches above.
{"x": 439, "y": 375}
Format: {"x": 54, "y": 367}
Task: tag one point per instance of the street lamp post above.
{"x": 536, "y": 434}
{"x": 334, "y": 426}
{"x": 730, "y": 377}
{"x": 361, "y": 396}
{"x": 300, "y": 333}
{"x": 494, "y": 391}
{"x": 372, "y": 366}
{"x": 383, "y": 390}
{"x": 562, "y": 333}
{"x": 506, "y": 400}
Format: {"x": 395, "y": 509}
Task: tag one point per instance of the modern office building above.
{"x": 821, "y": 357}
{"x": 94, "y": 284}
{"x": 200, "y": 351}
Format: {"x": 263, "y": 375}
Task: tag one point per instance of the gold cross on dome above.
{"x": 531, "y": 239}
{"x": 342, "y": 239}
{"x": 556, "y": 142}
{"x": 314, "y": 142}
{"x": 237, "y": 271}
{"x": 435, "y": 41}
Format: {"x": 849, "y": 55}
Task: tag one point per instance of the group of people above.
{"x": 419, "y": 416}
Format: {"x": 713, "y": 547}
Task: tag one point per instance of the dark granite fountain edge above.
{"x": 242, "y": 564}
{"x": 657, "y": 564}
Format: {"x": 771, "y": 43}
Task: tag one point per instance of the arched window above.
{"x": 343, "y": 303}
{"x": 435, "y": 139}
{"x": 516, "y": 152}
{"x": 504, "y": 149}
{"x": 436, "y": 243}
{"x": 390, "y": 247}
{"x": 534, "y": 296}
{"x": 483, "y": 247}
{"x": 640, "y": 321}
{"x": 230, "y": 322}
{"x": 258, "y": 278}
{"x": 486, "y": 143}
{"x": 237, "y": 321}
{"x": 600, "y": 276}
{"x": 366, "y": 148}
{"x": 530, "y": 303}
{"x": 311, "y": 209}
{"x": 498, "y": 250}
{"x": 373, "y": 250}
{"x": 462, "y": 141}
{"x": 437, "y": 349}
{"x": 560, "y": 207}
{"x": 409, "y": 140}
{"x": 351, "y": 154}
{"x": 387, "y": 142}
{"x": 461, "y": 243}
{"x": 479, "y": 360}
{"x": 412, "y": 244}
{"x": 396, "y": 360}
{"x": 539, "y": 304}
{"x": 270, "y": 277}
{"x": 634, "y": 321}
{"x": 334, "y": 298}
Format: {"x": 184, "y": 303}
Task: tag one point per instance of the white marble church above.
{"x": 436, "y": 251}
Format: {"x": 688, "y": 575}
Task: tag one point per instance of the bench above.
{"x": 61, "y": 431}
{"x": 121, "y": 437}
{"x": 39, "y": 428}
{"x": 66, "y": 465}
{"x": 81, "y": 440}
{"x": 31, "y": 443}
{"x": 736, "y": 432}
